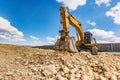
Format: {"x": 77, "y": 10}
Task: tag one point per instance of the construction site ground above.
{"x": 22, "y": 63}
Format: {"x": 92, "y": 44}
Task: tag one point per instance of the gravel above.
{"x": 22, "y": 63}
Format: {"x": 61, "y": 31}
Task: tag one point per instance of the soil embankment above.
{"x": 22, "y": 63}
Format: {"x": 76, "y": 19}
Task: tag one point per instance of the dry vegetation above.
{"x": 22, "y": 63}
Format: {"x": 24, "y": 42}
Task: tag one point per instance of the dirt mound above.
{"x": 22, "y": 63}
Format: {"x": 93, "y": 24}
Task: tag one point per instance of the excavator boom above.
{"x": 77, "y": 25}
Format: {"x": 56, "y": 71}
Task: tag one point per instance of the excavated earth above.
{"x": 22, "y": 63}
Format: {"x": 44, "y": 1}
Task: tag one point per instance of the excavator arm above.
{"x": 65, "y": 42}
{"x": 66, "y": 20}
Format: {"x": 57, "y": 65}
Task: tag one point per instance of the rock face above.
{"x": 22, "y": 63}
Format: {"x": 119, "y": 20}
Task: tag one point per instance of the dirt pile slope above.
{"x": 21, "y": 63}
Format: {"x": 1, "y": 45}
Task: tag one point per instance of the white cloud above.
{"x": 9, "y": 32}
{"x": 106, "y": 2}
{"x": 72, "y": 4}
{"x": 105, "y": 36}
{"x": 103, "y": 41}
{"x": 112, "y": 40}
{"x": 102, "y": 33}
{"x": 91, "y": 23}
{"x": 36, "y": 41}
{"x": 34, "y": 38}
{"x": 115, "y": 39}
{"x": 115, "y": 13}
{"x": 51, "y": 40}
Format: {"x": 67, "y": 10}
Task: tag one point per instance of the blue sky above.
{"x": 37, "y": 22}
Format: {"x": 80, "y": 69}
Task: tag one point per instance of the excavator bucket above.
{"x": 68, "y": 45}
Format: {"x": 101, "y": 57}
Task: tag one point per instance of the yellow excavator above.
{"x": 84, "y": 41}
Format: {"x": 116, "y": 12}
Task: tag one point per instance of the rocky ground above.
{"x": 22, "y": 63}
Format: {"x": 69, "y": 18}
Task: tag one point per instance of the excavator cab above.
{"x": 87, "y": 37}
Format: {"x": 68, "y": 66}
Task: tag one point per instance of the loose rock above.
{"x": 22, "y": 63}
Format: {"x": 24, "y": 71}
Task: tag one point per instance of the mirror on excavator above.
{"x": 85, "y": 40}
